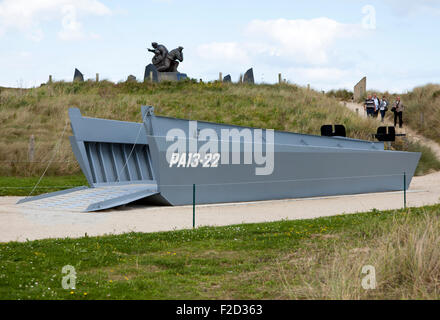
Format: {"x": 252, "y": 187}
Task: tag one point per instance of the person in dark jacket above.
{"x": 369, "y": 106}
{"x": 398, "y": 112}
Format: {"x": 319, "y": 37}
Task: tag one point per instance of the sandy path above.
{"x": 18, "y": 223}
{"x": 411, "y": 134}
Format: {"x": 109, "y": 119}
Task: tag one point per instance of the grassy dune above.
{"x": 301, "y": 259}
{"x": 424, "y": 100}
{"x": 42, "y": 112}
{"x": 422, "y": 109}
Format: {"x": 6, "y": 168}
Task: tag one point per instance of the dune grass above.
{"x": 422, "y": 109}
{"x": 23, "y": 186}
{"x": 42, "y": 112}
{"x": 302, "y": 259}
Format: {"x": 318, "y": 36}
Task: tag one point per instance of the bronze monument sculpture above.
{"x": 164, "y": 64}
{"x": 165, "y": 61}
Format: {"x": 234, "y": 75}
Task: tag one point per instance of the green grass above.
{"x": 22, "y": 186}
{"x": 428, "y": 162}
{"x": 252, "y": 261}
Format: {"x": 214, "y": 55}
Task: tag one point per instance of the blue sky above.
{"x": 328, "y": 44}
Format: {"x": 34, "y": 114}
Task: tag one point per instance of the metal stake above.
{"x": 194, "y": 206}
{"x": 404, "y": 190}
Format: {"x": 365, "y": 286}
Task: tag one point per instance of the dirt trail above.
{"x": 411, "y": 134}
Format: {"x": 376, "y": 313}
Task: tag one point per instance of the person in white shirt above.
{"x": 383, "y": 107}
{"x": 376, "y": 105}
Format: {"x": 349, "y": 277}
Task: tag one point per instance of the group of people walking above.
{"x": 373, "y": 106}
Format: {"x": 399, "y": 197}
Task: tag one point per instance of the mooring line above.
{"x": 57, "y": 146}
{"x": 134, "y": 145}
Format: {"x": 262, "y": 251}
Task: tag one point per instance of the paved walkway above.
{"x": 20, "y": 224}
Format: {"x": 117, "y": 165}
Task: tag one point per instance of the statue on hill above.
{"x": 165, "y": 61}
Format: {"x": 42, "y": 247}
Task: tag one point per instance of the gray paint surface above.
{"x": 130, "y": 159}
{"x": 305, "y": 166}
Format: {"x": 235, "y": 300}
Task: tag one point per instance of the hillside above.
{"x": 42, "y": 112}
{"x": 422, "y": 112}
{"x": 422, "y": 108}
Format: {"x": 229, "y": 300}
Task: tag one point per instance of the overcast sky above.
{"x": 329, "y": 44}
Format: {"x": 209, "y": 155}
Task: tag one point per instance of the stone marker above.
{"x": 97, "y": 77}
{"x": 131, "y": 78}
{"x": 249, "y": 76}
{"x": 78, "y": 76}
{"x": 151, "y": 69}
{"x": 171, "y": 76}
{"x": 360, "y": 89}
{"x": 162, "y": 76}
{"x": 279, "y": 78}
{"x": 240, "y": 80}
{"x": 227, "y": 78}
{"x": 220, "y": 77}
{"x": 50, "y": 79}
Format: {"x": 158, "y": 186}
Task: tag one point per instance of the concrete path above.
{"x": 19, "y": 224}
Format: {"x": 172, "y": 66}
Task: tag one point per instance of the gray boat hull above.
{"x": 304, "y": 166}
{"x": 115, "y": 155}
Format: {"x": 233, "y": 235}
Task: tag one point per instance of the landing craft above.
{"x": 127, "y": 161}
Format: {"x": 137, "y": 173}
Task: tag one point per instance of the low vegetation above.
{"x": 42, "y": 112}
{"x": 303, "y": 259}
{"x": 27, "y": 186}
{"x": 422, "y": 109}
{"x": 341, "y": 94}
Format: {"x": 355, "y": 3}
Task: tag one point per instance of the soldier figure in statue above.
{"x": 165, "y": 61}
{"x": 160, "y": 53}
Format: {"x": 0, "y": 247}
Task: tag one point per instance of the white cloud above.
{"x": 321, "y": 74}
{"x": 306, "y": 41}
{"x": 410, "y": 7}
{"x": 299, "y": 41}
{"x": 223, "y": 51}
{"x": 28, "y": 16}
{"x": 303, "y": 50}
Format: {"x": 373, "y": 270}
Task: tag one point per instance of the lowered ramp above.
{"x": 86, "y": 199}
{"x": 115, "y": 159}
